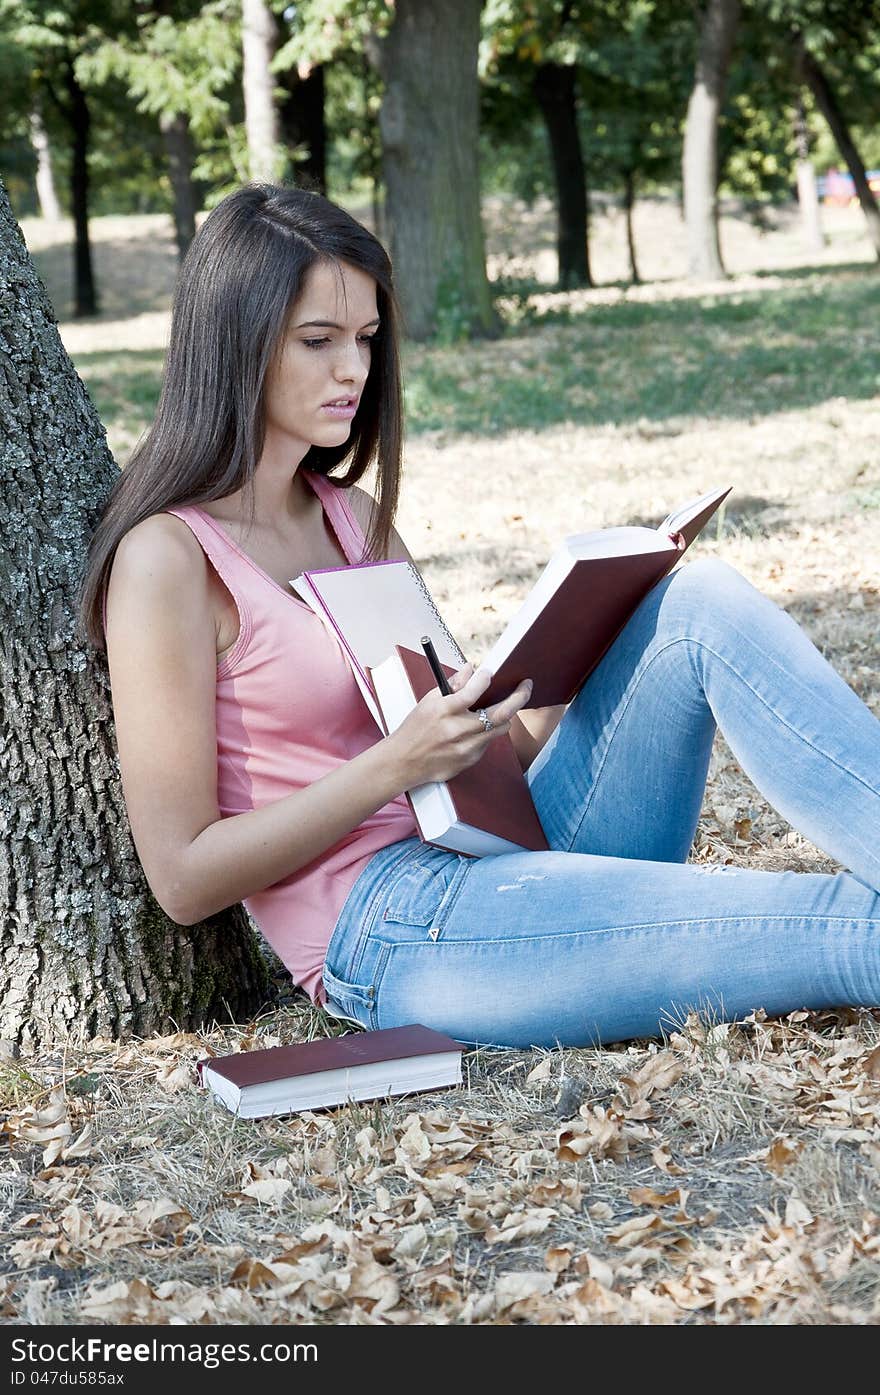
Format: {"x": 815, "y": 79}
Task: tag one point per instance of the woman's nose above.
{"x": 350, "y": 363}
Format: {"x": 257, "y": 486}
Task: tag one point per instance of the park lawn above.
{"x": 722, "y": 355}
{"x": 728, "y": 1174}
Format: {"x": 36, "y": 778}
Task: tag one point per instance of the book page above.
{"x": 678, "y": 521}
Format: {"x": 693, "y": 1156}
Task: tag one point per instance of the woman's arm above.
{"x": 161, "y": 646}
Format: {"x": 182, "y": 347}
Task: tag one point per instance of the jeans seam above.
{"x": 444, "y": 910}
{"x": 662, "y": 925}
{"x": 707, "y": 648}
{"x": 369, "y": 919}
{"x": 378, "y": 975}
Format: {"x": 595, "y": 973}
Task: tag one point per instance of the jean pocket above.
{"x": 422, "y": 894}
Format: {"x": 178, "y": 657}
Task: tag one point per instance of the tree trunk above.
{"x": 301, "y": 114}
{"x": 700, "y": 154}
{"x": 259, "y": 38}
{"x": 629, "y": 199}
{"x": 807, "y": 189}
{"x": 828, "y": 105}
{"x": 181, "y": 158}
{"x": 555, "y": 89}
{"x": 85, "y": 300}
{"x": 49, "y": 206}
{"x": 430, "y": 127}
{"x": 85, "y": 949}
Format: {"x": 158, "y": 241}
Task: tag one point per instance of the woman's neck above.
{"x": 282, "y": 498}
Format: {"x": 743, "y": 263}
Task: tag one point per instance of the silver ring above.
{"x": 484, "y": 718}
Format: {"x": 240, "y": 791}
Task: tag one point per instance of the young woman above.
{"x": 252, "y": 770}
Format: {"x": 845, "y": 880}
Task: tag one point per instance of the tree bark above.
{"x": 827, "y": 103}
{"x": 85, "y": 299}
{"x": 259, "y": 37}
{"x": 181, "y": 158}
{"x": 430, "y": 126}
{"x": 807, "y": 189}
{"x": 48, "y": 198}
{"x": 629, "y": 199}
{"x": 555, "y": 89}
{"x": 84, "y": 949}
{"x": 301, "y": 114}
{"x": 700, "y": 154}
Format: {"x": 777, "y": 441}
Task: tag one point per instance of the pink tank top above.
{"x": 288, "y": 712}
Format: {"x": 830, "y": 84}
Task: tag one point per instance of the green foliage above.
{"x": 181, "y": 66}
{"x": 320, "y": 30}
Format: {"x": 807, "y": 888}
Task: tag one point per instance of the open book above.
{"x": 579, "y": 604}
{"x": 583, "y": 598}
{"x": 321, "y": 1074}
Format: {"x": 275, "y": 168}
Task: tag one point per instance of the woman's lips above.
{"x": 343, "y": 410}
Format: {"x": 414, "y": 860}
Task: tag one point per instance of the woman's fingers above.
{"x": 504, "y": 711}
{"x": 469, "y": 694}
{"x": 458, "y": 680}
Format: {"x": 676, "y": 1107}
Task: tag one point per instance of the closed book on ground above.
{"x": 483, "y": 810}
{"x": 322, "y": 1074}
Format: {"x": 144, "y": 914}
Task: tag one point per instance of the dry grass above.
{"x": 726, "y": 1175}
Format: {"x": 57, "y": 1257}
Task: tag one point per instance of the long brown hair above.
{"x": 242, "y": 273}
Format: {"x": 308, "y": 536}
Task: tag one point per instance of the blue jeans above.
{"x": 610, "y": 935}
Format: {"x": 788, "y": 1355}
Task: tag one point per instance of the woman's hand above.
{"x": 441, "y": 736}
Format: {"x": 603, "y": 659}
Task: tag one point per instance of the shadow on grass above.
{"x": 131, "y": 277}
{"x": 733, "y": 355}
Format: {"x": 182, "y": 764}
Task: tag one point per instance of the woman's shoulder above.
{"x": 161, "y": 548}
{"x": 361, "y": 504}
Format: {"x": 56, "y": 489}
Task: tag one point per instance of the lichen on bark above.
{"x": 84, "y": 948}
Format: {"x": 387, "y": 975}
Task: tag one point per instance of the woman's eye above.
{"x": 315, "y": 343}
{"x": 367, "y": 338}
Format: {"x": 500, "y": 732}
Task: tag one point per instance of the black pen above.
{"x": 431, "y": 656}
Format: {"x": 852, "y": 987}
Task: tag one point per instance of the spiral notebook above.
{"x": 379, "y": 613}
{"x": 371, "y": 609}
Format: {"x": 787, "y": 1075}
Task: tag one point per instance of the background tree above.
{"x": 430, "y": 126}
{"x": 177, "y": 68}
{"x": 55, "y": 38}
{"x": 260, "y": 39}
{"x": 835, "y": 48}
{"x": 717, "y": 25}
{"x": 45, "y": 177}
{"x": 537, "y": 48}
{"x": 633, "y": 96}
{"x": 84, "y": 946}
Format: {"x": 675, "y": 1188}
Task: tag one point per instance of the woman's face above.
{"x": 313, "y": 390}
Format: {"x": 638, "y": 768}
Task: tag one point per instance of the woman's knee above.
{"x": 709, "y": 586}
{"x": 707, "y": 598}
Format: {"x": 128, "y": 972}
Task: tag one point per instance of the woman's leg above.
{"x": 627, "y": 772}
{"x": 535, "y": 949}
{"x": 610, "y": 936}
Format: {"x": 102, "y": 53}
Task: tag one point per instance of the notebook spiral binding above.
{"x": 441, "y": 623}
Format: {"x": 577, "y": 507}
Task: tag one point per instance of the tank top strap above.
{"x": 224, "y": 556}
{"x": 342, "y": 519}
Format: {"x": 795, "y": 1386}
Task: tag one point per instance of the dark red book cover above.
{"x": 585, "y": 615}
{"x": 333, "y": 1053}
{"x": 493, "y": 794}
{"x": 565, "y": 643}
